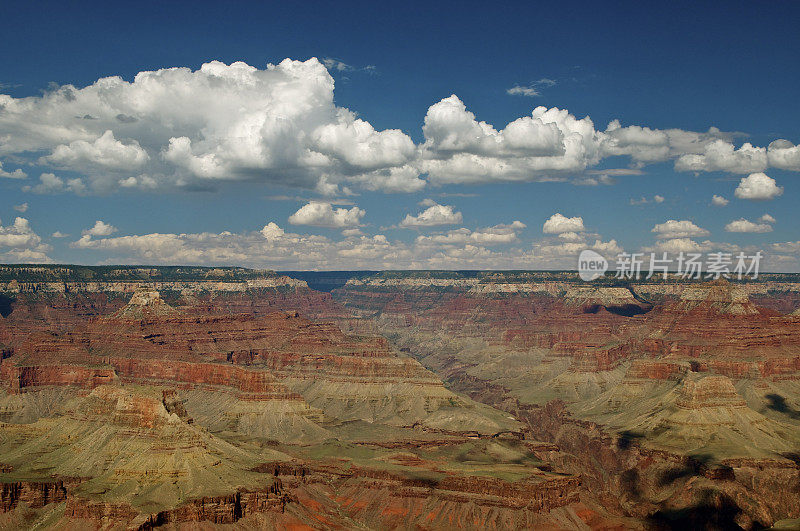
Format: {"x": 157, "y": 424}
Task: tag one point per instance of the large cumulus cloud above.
{"x": 222, "y": 122}
{"x": 280, "y": 125}
{"x": 460, "y": 149}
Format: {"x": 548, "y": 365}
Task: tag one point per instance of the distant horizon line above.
{"x": 54, "y": 265}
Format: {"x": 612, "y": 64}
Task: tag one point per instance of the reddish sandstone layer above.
{"x": 42, "y": 308}
{"x": 227, "y": 509}
{"x": 149, "y": 341}
{"x": 710, "y": 391}
{"x": 32, "y": 493}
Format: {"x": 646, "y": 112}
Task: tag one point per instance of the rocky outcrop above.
{"x": 709, "y": 391}
{"x": 32, "y": 493}
{"x": 145, "y": 303}
{"x": 719, "y": 296}
{"x": 16, "y": 379}
{"x": 227, "y": 509}
{"x": 590, "y": 298}
{"x": 645, "y": 369}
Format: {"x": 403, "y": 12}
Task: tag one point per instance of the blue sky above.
{"x": 333, "y": 151}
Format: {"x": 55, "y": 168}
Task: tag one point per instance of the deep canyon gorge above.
{"x": 185, "y": 396}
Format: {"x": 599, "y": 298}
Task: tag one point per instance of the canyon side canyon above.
{"x": 188, "y": 397}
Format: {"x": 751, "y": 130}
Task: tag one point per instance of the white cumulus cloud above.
{"x": 280, "y": 125}
{"x": 784, "y": 155}
{"x": 16, "y": 174}
{"x": 100, "y": 228}
{"x": 719, "y": 201}
{"x": 758, "y": 187}
{"x": 674, "y": 229}
{"x": 219, "y": 123}
{"x": 523, "y": 90}
{"x": 320, "y": 214}
{"x": 744, "y": 225}
{"x": 558, "y": 224}
{"x": 20, "y": 244}
{"x": 434, "y": 215}
{"x": 49, "y": 183}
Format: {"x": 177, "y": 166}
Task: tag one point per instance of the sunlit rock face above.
{"x": 145, "y": 303}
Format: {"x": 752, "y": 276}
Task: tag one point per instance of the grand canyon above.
{"x": 188, "y": 397}
{"x": 399, "y": 265}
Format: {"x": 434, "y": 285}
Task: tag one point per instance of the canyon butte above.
{"x": 196, "y": 398}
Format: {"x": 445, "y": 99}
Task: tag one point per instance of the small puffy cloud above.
{"x": 320, "y": 214}
{"x": 522, "y": 90}
{"x": 673, "y": 229}
{"x": 141, "y": 182}
{"x": 100, "y": 229}
{"x": 16, "y": 174}
{"x": 272, "y": 231}
{"x": 531, "y": 89}
{"x": 21, "y": 208}
{"x": 59, "y": 234}
{"x": 766, "y": 218}
{"x": 335, "y": 65}
{"x": 758, "y": 187}
{"x": 558, "y": 224}
{"x": 51, "y": 184}
{"x": 48, "y": 183}
{"x": 602, "y": 179}
{"x": 434, "y": 215}
{"x": 719, "y": 201}
{"x": 644, "y": 201}
{"x": 744, "y": 225}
